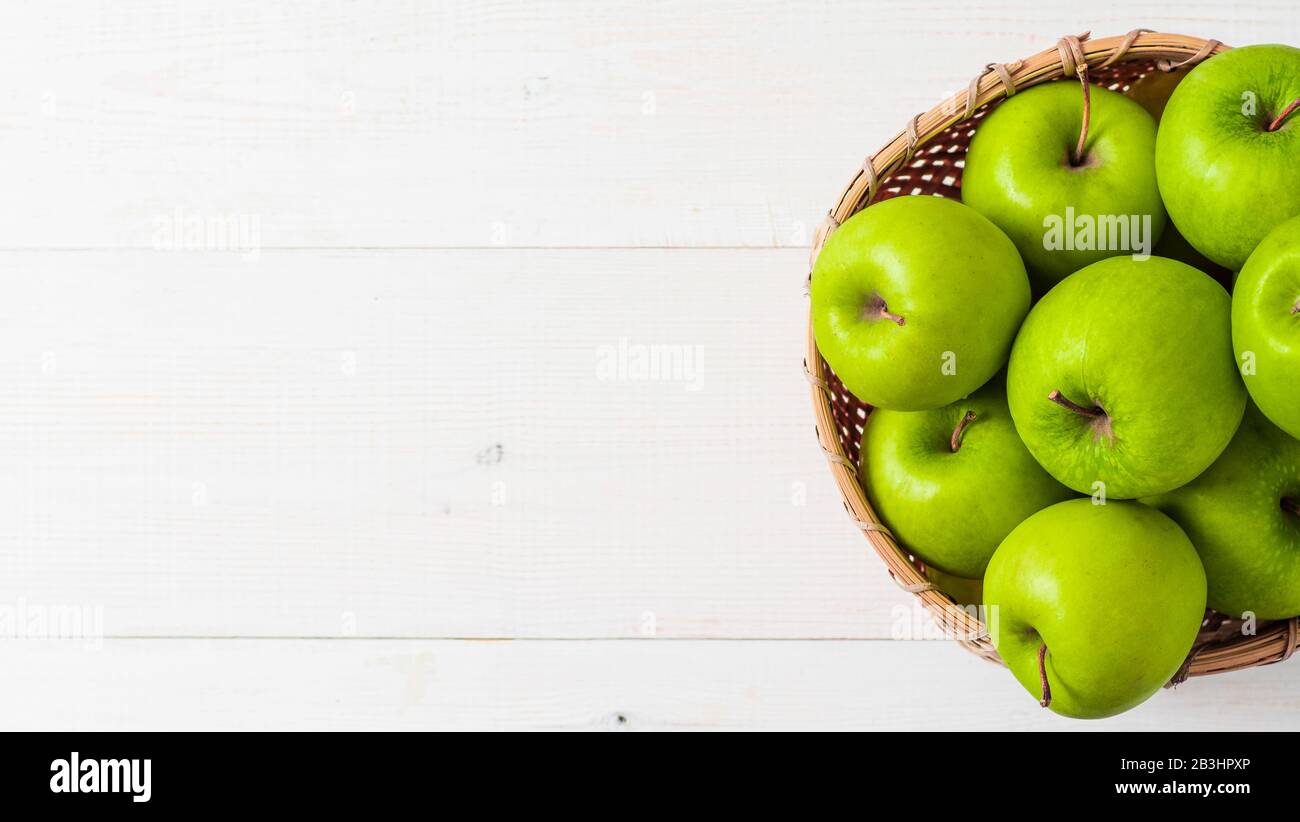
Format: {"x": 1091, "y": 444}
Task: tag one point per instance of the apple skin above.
{"x": 1175, "y": 246}
{"x": 1115, "y": 591}
{"x": 1019, "y": 172}
{"x": 1227, "y": 181}
{"x": 1234, "y": 514}
{"x": 1266, "y": 324}
{"x": 1153, "y": 91}
{"x": 962, "y": 591}
{"x": 952, "y": 509}
{"x": 1149, "y": 344}
{"x": 954, "y": 279}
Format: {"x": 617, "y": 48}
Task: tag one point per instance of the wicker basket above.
{"x": 927, "y": 158}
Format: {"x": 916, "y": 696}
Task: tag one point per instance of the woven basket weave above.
{"x": 927, "y": 158}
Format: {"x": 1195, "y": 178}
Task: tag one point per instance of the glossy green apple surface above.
{"x": 1266, "y": 325}
{"x": 951, "y": 483}
{"x": 915, "y": 302}
{"x": 1020, "y": 173}
{"x": 1243, "y": 516}
{"x": 1225, "y": 178}
{"x": 1115, "y": 592}
{"x": 1123, "y": 381}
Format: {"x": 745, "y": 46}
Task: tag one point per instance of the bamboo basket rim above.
{"x": 1214, "y": 652}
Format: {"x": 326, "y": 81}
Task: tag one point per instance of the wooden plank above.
{"x": 464, "y": 123}
{"x": 586, "y": 685}
{"x": 429, "y": 444}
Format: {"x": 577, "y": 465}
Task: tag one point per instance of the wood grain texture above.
{"x": 325, "y": 320}
{"x": 511, "y": 123}
{"x": 420, "y": 443}
{"x": 560, "y": 685}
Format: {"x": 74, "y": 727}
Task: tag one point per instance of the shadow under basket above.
{"x": 927, "y": 158}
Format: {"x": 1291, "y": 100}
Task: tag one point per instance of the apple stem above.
{"x": 1042, "y": 676}
{"x": 1287, "y": 112}
{"x": 1295, "y": 309}
{"x": 1063, "y": 401}
{"x": 1291, "y": 506}
{"x": 955, "y": 442}
{"x": 1087, "y": 115}
{"x": 878, "y": 309}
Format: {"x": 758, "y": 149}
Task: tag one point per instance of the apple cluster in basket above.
{"x": 1095, "y": 467}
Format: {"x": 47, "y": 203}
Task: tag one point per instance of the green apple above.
{"x": 1266, "y": 325}
{"x": 915, "y": 302}
{"x": 1152, "y": 90}
{"x": 1064, "y": 213}
{"x": 1112, "y": 597}
{"x": 965, "y": 592}
{"x": 1226, "y": 156}
{"x": 951, "y": 483}
{"x": 1175, "y": 246}
{"x": 1243, "y": 516}
{"x": 1122, "y": 381}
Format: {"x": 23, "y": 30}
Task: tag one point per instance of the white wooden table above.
{"x": 324, "y": 350}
